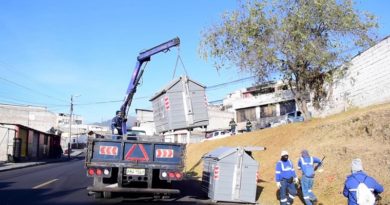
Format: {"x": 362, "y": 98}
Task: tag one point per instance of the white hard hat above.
{"x": 284, "y": 152}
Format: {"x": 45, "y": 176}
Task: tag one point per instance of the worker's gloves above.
{"x": 296, "y": 181}
{"x": 278, "y": 184}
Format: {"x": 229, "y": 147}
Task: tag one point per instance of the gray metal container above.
{"x": 180, "y": 105}
{"x": 230, "y": 174}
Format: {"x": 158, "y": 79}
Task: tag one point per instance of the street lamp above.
{"x": 70, "y": 123}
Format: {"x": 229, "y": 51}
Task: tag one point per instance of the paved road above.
{"x": 64, "y": 183}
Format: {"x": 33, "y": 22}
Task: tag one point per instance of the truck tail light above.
{"x": 171, "y": 175}
{"x": 164, "y": 174}
{"x": 91, "y": 171}
{"x": 99, "y": 172}
{"x": 178, "y": 175}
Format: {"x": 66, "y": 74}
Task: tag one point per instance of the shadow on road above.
{"x": 191, "y": 194}
{"x": 5, "y": 184}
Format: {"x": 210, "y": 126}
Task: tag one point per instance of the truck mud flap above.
{"x": 111, "y": 188}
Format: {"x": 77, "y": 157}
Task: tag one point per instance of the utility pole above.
{"x": 70, "y": 125}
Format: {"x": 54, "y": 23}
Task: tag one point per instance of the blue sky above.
{"x": 50, "y": 50}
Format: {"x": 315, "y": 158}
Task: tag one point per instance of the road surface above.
{"x": 64, "y": 183}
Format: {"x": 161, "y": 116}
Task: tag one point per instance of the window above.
{"x": 287, "y": 107}
{"x": 283, "y": 87}
{"x": 246, "y": 114}
{"x": 268, "y": 111}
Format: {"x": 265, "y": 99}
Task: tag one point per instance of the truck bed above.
{"x": 134, "y": 165}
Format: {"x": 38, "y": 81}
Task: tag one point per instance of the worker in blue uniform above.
{"x": 116, "y": 123}
{"x": 358, "y": 176}
{"x": 285, "y": 177}
{"x": 306, "y": 164}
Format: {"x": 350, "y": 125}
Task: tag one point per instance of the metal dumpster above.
{"x": 230, "y": 174}
{"x": 181, "y": 104}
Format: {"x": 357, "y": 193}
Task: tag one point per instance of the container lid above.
{"x": 223, "y": 152}
{"x": 171, "y": 84}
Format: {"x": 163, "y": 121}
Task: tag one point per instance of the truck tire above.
{"x": 98, "y": 195}
{"x": 107, "y": 195}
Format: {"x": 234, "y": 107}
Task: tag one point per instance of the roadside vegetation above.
{"x": 301, "y": 42}
{"x": 357, "y": 133}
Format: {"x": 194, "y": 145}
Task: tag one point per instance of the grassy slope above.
{"x": 363, "y": 133}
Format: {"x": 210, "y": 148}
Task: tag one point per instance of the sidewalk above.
{"x": 5, "y": 166}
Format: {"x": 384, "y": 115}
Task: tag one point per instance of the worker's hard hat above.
{"x": 284, "y": 152}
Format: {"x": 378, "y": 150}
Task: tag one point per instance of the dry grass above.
{"x": 359, "y": 133}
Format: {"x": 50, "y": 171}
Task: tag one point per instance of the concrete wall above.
{"x": 145, "y": 121}
{"x": 366, "y": 82}
{"x": 219, "y": 119}
{"x": 270, "y": 98}
{"x": 38, "y": 118}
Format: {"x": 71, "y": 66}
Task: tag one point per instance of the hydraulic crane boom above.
{"x": 143, "y": 56}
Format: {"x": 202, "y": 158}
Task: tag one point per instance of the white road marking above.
{"x": 44, "y": 184}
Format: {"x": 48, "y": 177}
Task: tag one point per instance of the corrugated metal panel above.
{"x": 229, "y": 174}
{"x": 180, "y": 105}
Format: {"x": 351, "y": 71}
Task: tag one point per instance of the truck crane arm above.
{"x": 143, "y": 57}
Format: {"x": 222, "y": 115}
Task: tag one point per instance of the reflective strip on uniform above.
{"x": 277, "y": 172}
{"x": 291, "y": 196}
{"x": 309, "y": 190}
{"x": 371, "y": 189}
{"x": 305, "y": 163}
{"x": 306, "y": 197}
{"x": 288, "y": 168}
{"x": 283, "y": 200}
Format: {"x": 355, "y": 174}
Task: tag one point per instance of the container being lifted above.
{"x": 182, "y": 104}
{"x": 230, "y": 174}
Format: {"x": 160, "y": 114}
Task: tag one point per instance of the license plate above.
{"x": 137, "y": 172}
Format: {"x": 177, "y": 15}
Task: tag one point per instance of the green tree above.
{"x": 302, "y": 42}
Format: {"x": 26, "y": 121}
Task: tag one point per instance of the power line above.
{"x": 227, "y": 83}
{"x": 51, "y": 106}
{"x": 8, "y": 67}
{"x": 27, "y": 88}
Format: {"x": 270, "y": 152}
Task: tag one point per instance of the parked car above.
{"x": 134, "y": 132}
{"x": 294, "y": 117}
{"x": 216, "y": 135}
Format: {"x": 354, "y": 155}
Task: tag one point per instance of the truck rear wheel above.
{"x": 98, "y": 195}
{"x": 107, "y": 195}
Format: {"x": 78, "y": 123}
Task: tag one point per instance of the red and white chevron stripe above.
{"x": 216, "y": 173}
{"x": 108, "y": 150}
{"x": 166, "y": 102}
{"x": 164, "y": 153}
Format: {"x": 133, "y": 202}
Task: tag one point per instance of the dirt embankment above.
{"x": 359, "y": 133}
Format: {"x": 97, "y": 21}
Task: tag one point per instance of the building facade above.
{"x": 262, "y": 104}
{"x": 38, "y": 118}
{"x": 22, "y": 143}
